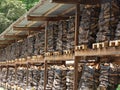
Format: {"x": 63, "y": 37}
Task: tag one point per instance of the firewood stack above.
{"x": 108, "y": 21}
{"x": 13, "y": 51}
{"x": 117, "y": 31}
{"x": 89, "y": 80}
{"x": 3, "y": 75}
{"x": 59, "y": 82}
{"x": 17, "y": 50}
{"x": 34, "y": 77}
{"x": 62, "y": 36}
{"x": 106, "y": 79}
{"x": 30, "y": 44}
{"x": 11, "y": 76}
{"x": 51, "y": 39}
{"x": 21, "y": 78}
{"x": 89, "y": 24}
{"x": 23, "y": 48}
{"x": 39, "y": 43}
{"x": 41, "y": 82}
{"x": 70, "y": 33}
{"x": 50, "y": 76}
{"x": 70, "y": 78}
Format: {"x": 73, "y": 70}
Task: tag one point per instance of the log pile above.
{"x": 71, "y": 33}
{"x": 88, "y": 80}
{"x": 30, "y": 45}
{"x": 106, "y": 79}
{"x": 39, "y": 43}
{"x": 108, "y": 21}
{"x": 89, "y": 24}
{"x": 62, "y": 35}
{"x": 41, "y": 80}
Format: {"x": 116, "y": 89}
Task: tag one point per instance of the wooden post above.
{"x": 15, "y": 72}
{"x": 7, "y": 72}
{"x": 77, "y": 22}
{"x": 27, "y": 74}
{"x": 45, "y": 63}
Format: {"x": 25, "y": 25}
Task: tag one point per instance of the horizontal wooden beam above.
{"x": 45, "y": 18}
{"x": 6, "y": 41}
{"x": 28, "y": 28}
{"x": 91, "y": 2}
{"x": 15, "y": 36}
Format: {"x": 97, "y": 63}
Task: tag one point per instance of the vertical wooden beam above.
{"x": 7, "y": 73}
{"x": 27, "y": 73}
{"x": 46, "y": 34}
{"x": 45, "y": 63}
{"x": 15, "y": 72}
{"x": 77, "y": 23}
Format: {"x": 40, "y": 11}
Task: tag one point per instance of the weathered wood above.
{"x": 45, "y": 18}
{"x": 77, "y": 19}
{"x": 15, "y": 36}
{"x": 27, "y": 28}
{"x": 76, "y": 1}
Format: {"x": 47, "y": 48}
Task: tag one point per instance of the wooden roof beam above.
{"x": 15, "y": 36}
{"x": 27, "y": 28}
{"x": 45, "y": 18}
{"x": 90, "y": 2}
{"x": 6, "y": 41}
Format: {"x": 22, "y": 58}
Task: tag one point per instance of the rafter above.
{"x": 45, "y": 18}
{"x": 15, "y": 36}
{"x": 28, "y": 28}
{"x": 6, "y": 41}
{"x": 76, "y": 1}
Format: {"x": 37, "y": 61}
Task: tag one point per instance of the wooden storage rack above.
{"x": 111, "y": 48}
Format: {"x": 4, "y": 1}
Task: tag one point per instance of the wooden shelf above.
{"x": 110, "y": 51}
{"x": 111, "y": 48}
{"x": 57, "y": 56}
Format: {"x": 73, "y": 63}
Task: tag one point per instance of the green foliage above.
{"x": 10, "y": 10}
{"x": 29, "y": 3}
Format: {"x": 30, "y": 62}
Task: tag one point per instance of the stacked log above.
{"x": 88, "y": 80}
{"x": 62, "y": 35}
{"x": 106, "y": 79}
{"x": 108, "y": 20}
{"x": 30, "y": 45}
{"x": 50, "y": 77}
{"x": 11, "y": 76}
{"x": 41, "y": 82}
{"x": 39, "y": 43}
{"x": 71, "y": 33}
{"x": 70, "y": 78}
{"x": 89, "y": 24}
{"x": 59, "y": 82}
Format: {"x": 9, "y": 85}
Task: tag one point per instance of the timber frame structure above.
{"x": 35, "y": 21}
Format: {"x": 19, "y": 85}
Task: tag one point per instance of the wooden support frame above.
{"x": 45, "y": 18}
{"x": 77, "y": 19}
{"x": 45, "y": 62}
{"x": 89, "y": 2}
{"x": 27, "y": 28}
{"x": 15, "y": 36}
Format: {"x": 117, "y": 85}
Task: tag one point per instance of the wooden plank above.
{"x": 45, "y": 74}
{"x": 6, "y": 41}
{"x": 77, "y": 22}
{"x": 45, "y": 18}
{"x": 45, "y": 62}
{"x": 46, "y": 34}
{"x": 27, "y": 28}
{"x": 91, "y": 2}
{"x": 27, "y": 75}
{"x": 15, "y": 36}
{"x": 109, "y": 51}
{"x": 75, "y": 73}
